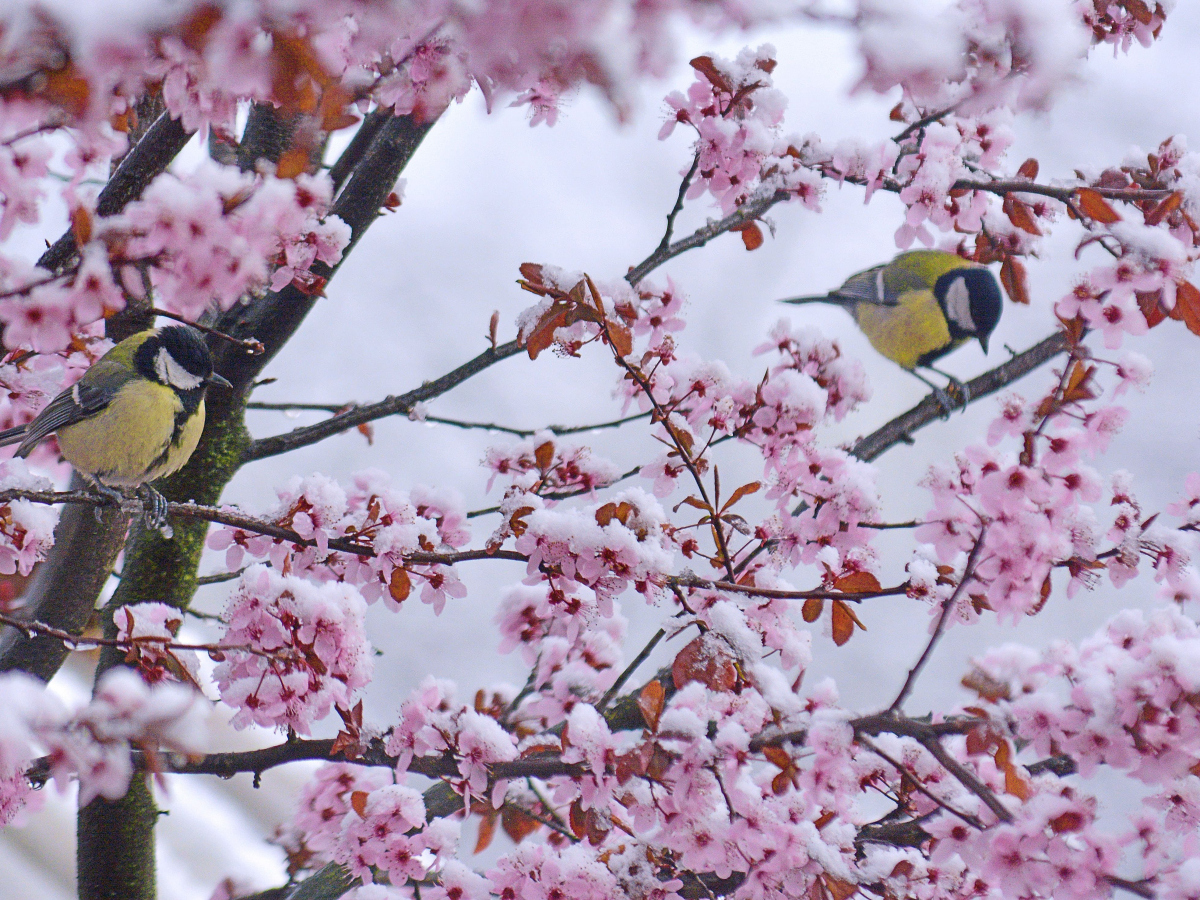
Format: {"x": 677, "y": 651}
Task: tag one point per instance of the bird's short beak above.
{"x": 214, "y": 378}
{"x": 983, "y": 342}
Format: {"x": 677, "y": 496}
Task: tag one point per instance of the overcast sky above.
{"x": 486, "y": 193}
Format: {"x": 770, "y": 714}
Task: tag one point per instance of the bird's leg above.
{"x": 959, "y": 385}
{"x": 940, "y": 393}
{"x": 154, "y": 511}
{"x": 108, "y": 493}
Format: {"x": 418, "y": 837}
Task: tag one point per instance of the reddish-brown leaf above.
{"x": 744, "y": 491}
{"x": 811, "y": 610}
{"x": 897, "y": 113}
{"x": 1168, "y": 205}
{"x": 780, "y": 783}
{"x": 358, "y": 802}
{"x": 621, "y": 337}
{"x": 487, "y": 831}
{"x": 1012, "y": 276}
{"x": 577, "y": 818}
{"x": 635, "y": 763}
{"x": 697, "y": 503}
{"x": 1079, "y": 386}
{"x": 1068, "y": 821}
{"x": 1139, "y": 10}
{"x": 399, "y": 584}
{"x": 65, "y": 87}
{"x": 193, "y": 34}
{"x": 531, "y": 272}
{"x": 1020, "y": 215}
{"x": 839, "y": 889}
{"x": 1187, "y": 303}
{"x": 609, "y": 511}
{"x": 517, "y": 823}
{"x": 367, "y": 430}
{"x": 81, "y": 225}
{"x": 651, "y": 700}
{"x": 843, "y": 622}
{"x": 1094, "y": 206}
{"x": 777, "y": 755}
{"x": 542, "y": 335}
{"x": 1028, "y": 169}
{"x": 752, "y": 236}
{"x": 543, "y": 455}
{"x": 1150, "y": 303}
{"x": 1013, "y": 782}
{"x": 857, "y": 583}
{"x": 709, "y": 660}
{"x": 294, "y": 162}
{"x": 706, "y": 67}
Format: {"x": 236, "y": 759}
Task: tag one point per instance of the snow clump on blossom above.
{"x": 305, "y": 650}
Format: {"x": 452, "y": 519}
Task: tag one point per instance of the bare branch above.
{"x": 743, "y": 215}
{"x": 679, "y": 198}
{"x": 900, "y": 429}
{"x": 629, "y": 670}
{"x": 389, "y": 406}
{"x": 752, "y": 591}
{"x": 943, "y": 618}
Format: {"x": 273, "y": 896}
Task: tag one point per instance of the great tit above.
{"x": 134, "y": 416}
{"x": 920, "y": 306}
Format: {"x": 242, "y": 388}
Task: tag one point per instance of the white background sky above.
{"x": 486, "y": 193}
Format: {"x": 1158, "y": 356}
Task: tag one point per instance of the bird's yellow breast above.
{"x": 912, "y": 330}
{"x": 133, "y": 440}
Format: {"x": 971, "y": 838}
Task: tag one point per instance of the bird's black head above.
{"x": 177, "y": 357}
{"x": 970, "y": 297}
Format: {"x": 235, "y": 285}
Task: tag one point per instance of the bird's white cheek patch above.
{"x": 958, "y": 305}
{"x": 172, "y": 373}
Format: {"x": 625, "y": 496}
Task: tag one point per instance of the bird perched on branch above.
{"x": 920, "y": 306}
{"x": 134, "y": 416}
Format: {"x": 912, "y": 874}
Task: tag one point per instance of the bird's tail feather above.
{"x": 821, "y": 298}
{"x": 12, "y": 435}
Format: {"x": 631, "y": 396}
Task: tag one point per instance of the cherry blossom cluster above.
{"x": 217, "y": 233}
{"x": 1123, "y": 700}
{"x": 1032, "y": 500}
{"x": 387, "y": 524}
{"x": 1124, "y": 21}
{"x": 432, "y": 723}
{"x": 544, "y": 463}
{"x": 604, "y": 547}
{"x": 737, "y": 114}
{"x": 205, "y": 238}
{"x": 573, "y": 650}
{"x": 26, "y": 529}
{"x": 150, "y": 630}
{"x": 359, "y": 817}
{"x": 92, "y": 744}
{"x": 295, "y": 649}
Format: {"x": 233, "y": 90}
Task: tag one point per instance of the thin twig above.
{"x": 749, "y": 211}
{"x": 629, "y": 670}
{"x": 777, "y": 593}
{"x": 967, "y": 778}
{"x": 683, "y": 189}
{"x": 916, "y": 783}
{"x": 939, "y": 629}
{"x": 389, "y": 406}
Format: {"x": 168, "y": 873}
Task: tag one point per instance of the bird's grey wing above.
{"x": 76, "y": 403}
{"x": 881, "y": 285}
{"x": 12, "y": 435}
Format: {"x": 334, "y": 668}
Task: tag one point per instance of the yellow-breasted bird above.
{"x": 920, "y": 306}
{"x": 134, "y": 416}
